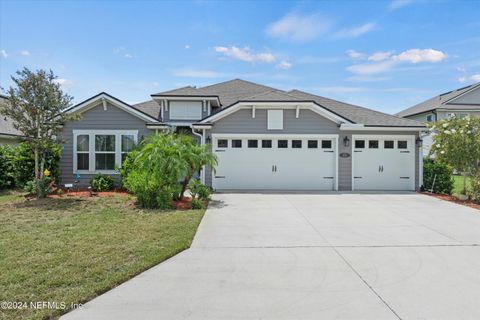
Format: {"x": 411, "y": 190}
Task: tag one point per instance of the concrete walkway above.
{"x": 313, "y": 256}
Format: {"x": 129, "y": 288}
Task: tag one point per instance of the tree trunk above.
{"x": 37, "y": 175}
{"x": 185, "y": 182}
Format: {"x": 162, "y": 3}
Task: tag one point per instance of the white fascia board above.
{"x": 89, "y": 104}
{"x": 273, "y": 135}
{"x": 187, "y": 98}
{"x": 344, "y": 127}
{"x": 157, "y": 126}
{"x": 277, "y": 105}
{"x": 201, "y": 126}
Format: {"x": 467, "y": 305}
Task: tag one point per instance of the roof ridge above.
{"x": 238, "y": 79}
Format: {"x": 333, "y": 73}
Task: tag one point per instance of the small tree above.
{"x": 457, "y": 143}
{"x": 195, "y": 157}
{"x": 35, "y": 106}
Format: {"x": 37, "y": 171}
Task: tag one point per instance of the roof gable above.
{"x": 438, "y": 101}
{"x": 103, "y": 96}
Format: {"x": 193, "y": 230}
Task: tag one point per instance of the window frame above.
{"x": 252, "y": 147}
{"x": 359, "y": 140}
{"x": 385, "y": 144}
{"x": 327, "y": 140}
{"x": 92, "y": 151}
{"x": 283, "y": 140}
{"x": 312, "y": 144}
{"x": 297, "y": 140}
{"x": 226, "y": 146}
{"x": 233, "y": 143}
{"x": 267, "y": 144}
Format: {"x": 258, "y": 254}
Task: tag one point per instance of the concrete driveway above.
{"x": 313, "y": 256}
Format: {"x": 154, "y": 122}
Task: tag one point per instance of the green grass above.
{"x": 71, "y": 250}
{"x": 458, "y": 184}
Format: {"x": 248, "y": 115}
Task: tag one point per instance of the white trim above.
{"x": 275, "y": 119}
{"x": 273, "y": 135}
{"x": 91, "y": 148}
{"x": 209, "y": 107}
{"x": 277, "y": 105}
{"x": 379, "y": 137}
{"x": 186, "y": 98}
{"x": 253, "y": 112}
{"x": 336, "y": 137}
{"x": 181, "y": 123}
{"x": 89, "y": 104}
{"x": 201, "y": 126}
{"x": 157, "y": 126}
{"x": 297, "y": 112}
{"x": 361, "y": 127}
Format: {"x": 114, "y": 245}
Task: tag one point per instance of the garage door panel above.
{"x": 276, "y": 168}
{"x": 382, "y": 168}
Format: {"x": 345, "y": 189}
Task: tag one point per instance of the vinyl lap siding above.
{"x": 96, "y": 118}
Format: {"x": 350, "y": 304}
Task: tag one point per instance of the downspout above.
{"x": 202, "y": 142}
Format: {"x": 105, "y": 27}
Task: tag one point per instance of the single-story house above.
{"x": 8, "y": 133}
{"x": 458, "y": 103}
{"x": 264, "y": 138}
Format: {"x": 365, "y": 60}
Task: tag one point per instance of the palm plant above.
{"x": 195, "y": 156}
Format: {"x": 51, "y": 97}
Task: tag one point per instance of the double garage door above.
{"x": 310, "y": 162}
{"x": 271, "y": 162}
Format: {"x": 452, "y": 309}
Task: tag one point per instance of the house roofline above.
{"x": 85, "y": 102}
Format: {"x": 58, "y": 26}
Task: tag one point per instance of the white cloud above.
{"x": 3, "y": 54}
{"x": 63, "y": 82}
{"x": 123, "y": 52}
{"x": 355, "y": 54}
{"x": 128, "y": 55}
{"x": 475, "y": 77}
{"x": 380, "y": 56}
{"x": 194, "y": 73}
{"x": 356, "y": 31}
{"x": 25, "y": 53}
{"x": 397, "y": 4}
{"x": 299, "y": 28}
{"x": 462, "y": 79}
{"x": 409, "y": 56}
{"x": 421, "y": 55}
{"x": 246, "y": 54}
{"x": 284, "y": 64}
{"x": 187, "y": 46}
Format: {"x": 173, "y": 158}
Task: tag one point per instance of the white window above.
{"x": 101, "y": 150}
{"x": 185, "y": 110}
{"x": 275, "y": 119}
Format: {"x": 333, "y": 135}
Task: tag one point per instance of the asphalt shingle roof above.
{"x": 357, "y": 114}
{"x": 6, "y": 124}
{"x": 437, "y": 102}
{"x": 230, "y": 92}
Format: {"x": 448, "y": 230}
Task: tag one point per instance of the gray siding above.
{"x": 96, "y": 118}
{"x": 308, "y": 122}
{"x": 166, "y": 114}
{"x": 444, "y": 114}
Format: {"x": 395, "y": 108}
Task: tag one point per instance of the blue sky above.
{"x": 386, "y": 55}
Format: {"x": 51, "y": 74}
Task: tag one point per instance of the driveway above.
{"x": 313, "y": 256}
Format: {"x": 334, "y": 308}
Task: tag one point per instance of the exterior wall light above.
{"x": 346, "y": 141}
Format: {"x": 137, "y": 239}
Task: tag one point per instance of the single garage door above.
{"x": 274, "y": 162}
{"x": 383, "y": 163}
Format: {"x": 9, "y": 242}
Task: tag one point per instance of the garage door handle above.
{"x": 327, "y": 177}
{"x": 219, "y": 177}
{"x": 404, "y": 151}
{"x": 358, "y": 177}
{"x": 219, "y": 150}
{"x": 404, "y": 177}
{"x": 275, "y": 168}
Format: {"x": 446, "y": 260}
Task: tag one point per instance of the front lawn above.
{"x": 458, "y": 184}
{"x": 70, "y": 250}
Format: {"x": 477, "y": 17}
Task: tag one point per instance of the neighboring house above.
{"x": 264, "y": 138}
{"x": 457, "y": 103}
{"x": 8, "y": 134}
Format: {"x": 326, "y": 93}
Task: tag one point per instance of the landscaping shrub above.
{"x": 199, "y": 190}
{"x": 101, "y": 182}
{"x": 196, "y": 204}
{"x": 6, "y": 167}
{"x": 441, "y": 173}
{"x": 474, "y": 191}
{"x": 24, "y": 164}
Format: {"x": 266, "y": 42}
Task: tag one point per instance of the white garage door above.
{"x": 274, "y": 162}
{"x": 383, "y": 163}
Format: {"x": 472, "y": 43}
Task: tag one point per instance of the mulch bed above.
{"x": 183, "y": 204}
{"x": 446, "y": 197}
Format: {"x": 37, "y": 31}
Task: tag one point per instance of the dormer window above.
{"x": 185, "y": 110}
